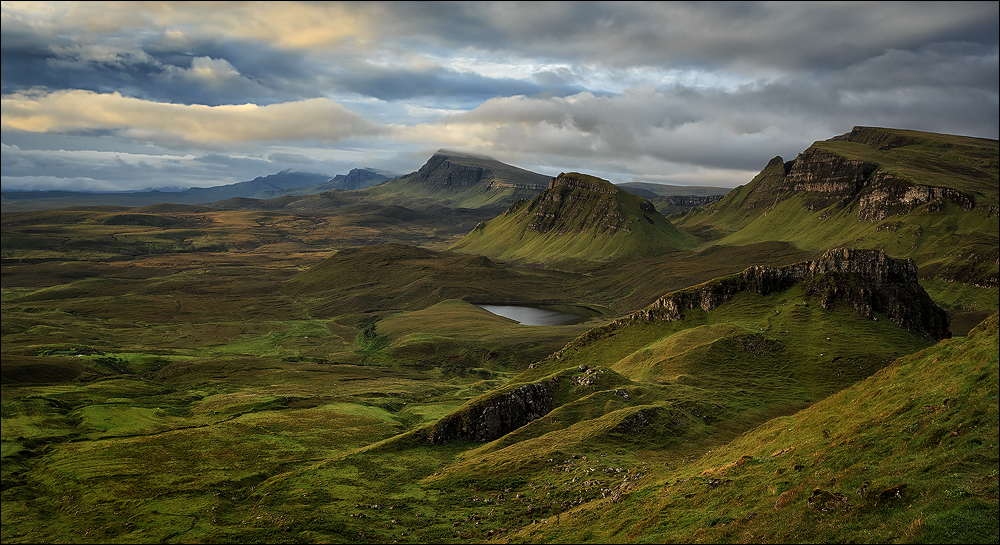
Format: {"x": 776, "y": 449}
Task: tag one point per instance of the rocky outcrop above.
{"x": 886, "y": 195}
{"x": 868, "y": 280}
{"x": 493, "y": 417}
{"x": 576, "y": 202}
{"x": 825, "y": 178}
{"x": 457, "y": 171}
{"x": 359, "y": 178}
{"x": 690, "y": 201}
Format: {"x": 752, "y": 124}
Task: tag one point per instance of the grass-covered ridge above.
{"x": 907, "y": 455}
{"x": 577, "y": 221}
{"x": 953, "y": 237}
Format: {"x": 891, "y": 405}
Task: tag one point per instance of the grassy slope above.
{"x": 950, "y": 246}
{"x": 907, "y": 455}
{"x": 578, "y": 238}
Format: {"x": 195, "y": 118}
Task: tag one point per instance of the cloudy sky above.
{"x": 133, "y": 95}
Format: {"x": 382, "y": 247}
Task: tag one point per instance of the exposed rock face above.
{"x": 440, "y": 171}
{"x": 447, "y": 171}
{"x": 691, "y": 200}
{"x": 359, "y": 178}
{"x": 887, "y": 195}
{"x": 868, "y": 280}
{"x": 575, "y": 202}
{"x": 494, "y": 417}
{"x": 826, "y": 179}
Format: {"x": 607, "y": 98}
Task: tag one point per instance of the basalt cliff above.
{"x": 866, "y": 280}
{"x": 858, "y": 172}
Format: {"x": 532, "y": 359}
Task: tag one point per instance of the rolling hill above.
{"x": 17, "y": 201}
{"x": 795, "y": 362}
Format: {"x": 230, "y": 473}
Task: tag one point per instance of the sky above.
{"x": 119, "y": 96}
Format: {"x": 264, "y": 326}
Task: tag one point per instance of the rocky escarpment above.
{"x": 867, "y": 280}
{"x": 456, "y": 171}
{"x": 576, "y": 202}
{"x": 358, "y": 178}
{"x": 494, "y": 417}
{"x": 825, "y": 178}
{"x": 690, "y": 201}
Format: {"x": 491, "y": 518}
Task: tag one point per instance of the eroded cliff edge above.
{"x": 826, "y": 178}
{"x": 868, "y": 280}
{"x": 493, "y": 417}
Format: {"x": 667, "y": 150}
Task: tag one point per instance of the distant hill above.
{"x": 929, "y": 197}
{"x": 577, "y": 219}
{"x": 651, "y": 191}
{"x": 358, "y": 178}
{"x": 671, "y": 199}
{"x": 461, "y": 180}
{"x": 16, "y": 201}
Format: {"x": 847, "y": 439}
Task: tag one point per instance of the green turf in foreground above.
{"x": 908, "y": 455}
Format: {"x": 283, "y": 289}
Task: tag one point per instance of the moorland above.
{"x": 811, "y": 357}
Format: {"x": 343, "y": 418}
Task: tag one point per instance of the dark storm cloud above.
{"x": 780, "y": 35}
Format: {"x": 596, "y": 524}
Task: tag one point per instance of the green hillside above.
{"x": 578, "y": 221}
{"x": 929, "y": 197}
{"x": 794, "y": 363}
{"x": 907, "y": 455}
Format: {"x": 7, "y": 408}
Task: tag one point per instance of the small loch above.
{"x": 543, "y": 315}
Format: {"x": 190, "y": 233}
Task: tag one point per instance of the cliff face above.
{"x": 573, "y": 203}
{"x": 867, "y": 280}
{"x": 438, "y": 170}
{"x": 494, "y": 417}
{"x": 359, "y": 178}
{"x": 826, "y": 178}
{"x": 691, "y": 200}
{"x": 458, "y": 171}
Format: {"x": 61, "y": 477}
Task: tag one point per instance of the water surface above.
{"x": 540, "y": 315}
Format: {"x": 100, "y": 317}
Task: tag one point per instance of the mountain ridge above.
{"x": 577, "y": 219}
{"x": 929, "y": 197}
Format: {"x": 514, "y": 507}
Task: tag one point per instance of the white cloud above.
{"x": 170, "y": 124}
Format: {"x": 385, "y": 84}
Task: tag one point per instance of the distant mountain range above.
{"x": 451, "y": 179}
{"x": 263, "y": 187}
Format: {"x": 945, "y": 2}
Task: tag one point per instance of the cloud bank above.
{"x": 694, "y": 93}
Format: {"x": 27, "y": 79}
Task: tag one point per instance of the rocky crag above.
{"x": 826, "y": 178}
{"x": 456, "y": 171}
{"x": 574, "y": 202}
{"x": 578, "y": 219}
{"x": 493, "y": 417}
{"x": 867, "y": 280}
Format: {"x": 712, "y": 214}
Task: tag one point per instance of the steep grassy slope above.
{"x": 908, "y": 455}
{"x": 929, "y": 197}
{"x": 577, "y": 221}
